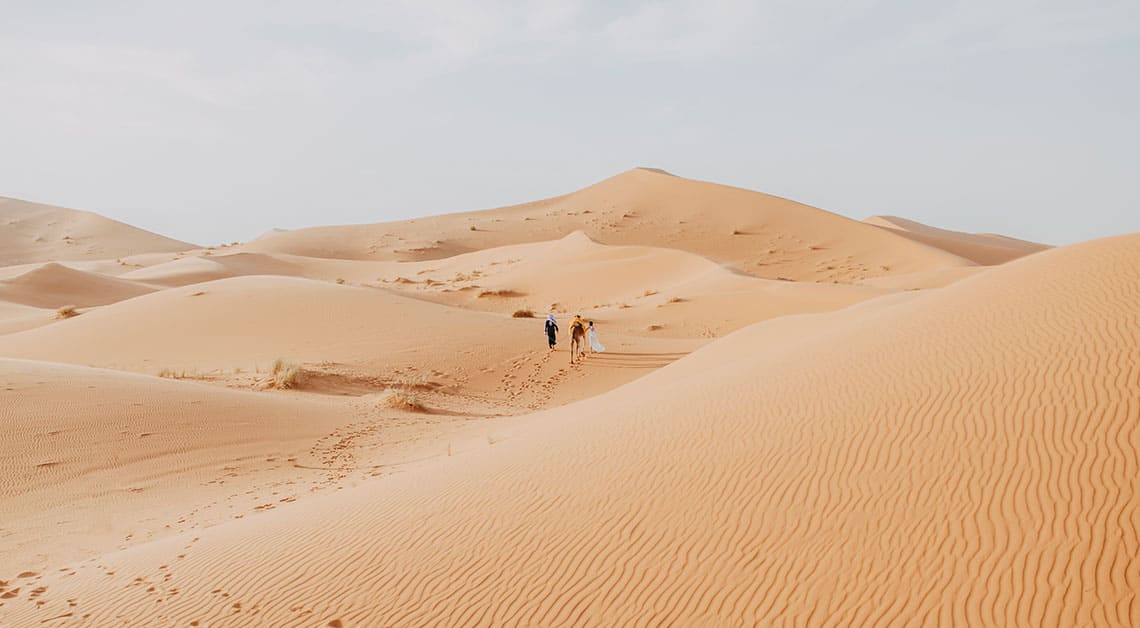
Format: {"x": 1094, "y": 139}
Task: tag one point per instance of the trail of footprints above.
{"x": 531, "y": 391}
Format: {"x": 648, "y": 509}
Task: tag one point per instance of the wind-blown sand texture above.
{"x": 818, "y": 454}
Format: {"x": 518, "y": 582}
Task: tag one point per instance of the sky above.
{"x": 216, "y": 121}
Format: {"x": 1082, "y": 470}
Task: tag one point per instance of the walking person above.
{"x": 595, "y": 344}
{"x": 551, "y": 331}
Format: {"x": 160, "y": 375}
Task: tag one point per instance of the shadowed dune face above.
{"x": 981, "y": 248}
{"x": 55, "y": 285}
{"x": 968, "y": 456}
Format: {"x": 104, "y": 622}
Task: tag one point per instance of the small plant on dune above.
{"x": 168, "y": 374}
{"x": 285, "y": 375}
{"x": 473, "y": 228}
{"x": 655, "y": 327}
{"x": 501, "y": 293}
{"x": 649, "y": 293}
{"x": 340, "y": 281}
{"x": 523, "y": 314}
{"x": 676, "y": 300}
{"x": 198, "y": 293}
{"x": 399, "y": 399}
{"x": 67, "y": 311}
{"x": 737, "y": 232}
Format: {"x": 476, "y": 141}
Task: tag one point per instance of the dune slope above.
{"x": 760, "y": 234}
{"x": 983, "y": 248}
{"x": 31, "y": 232}
{"x": 967, "y": 456}
{"x": 54, "y": 285}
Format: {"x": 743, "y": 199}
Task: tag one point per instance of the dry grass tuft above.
{"x": 676, "y": 300}
{"x": 198, "y": 293}
{"x": 284, "y": 376}
{"x": 399, "y": 399}
{"x": 654, "y": 327}
{"x": 340, "y": 281}
{"x": 523, "y": 314}
{"x": 67, "y": 311}
{"x": 501, "y": 293}
{"x": 649, "y": 293}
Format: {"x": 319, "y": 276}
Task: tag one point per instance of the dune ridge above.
{"x": 759, "y": 234}
{"x": 982, "y": 248}
{"x": 33, "y": 232}
{"x": 963, "y": 456}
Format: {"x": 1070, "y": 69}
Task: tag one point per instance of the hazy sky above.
{"x": 214, "y": 121}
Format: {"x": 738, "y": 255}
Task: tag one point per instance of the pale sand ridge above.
{"x": 31, "y": 232}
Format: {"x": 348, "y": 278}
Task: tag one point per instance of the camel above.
{"x": 577, "y": 340}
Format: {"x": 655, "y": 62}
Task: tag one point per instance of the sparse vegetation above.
{"x": 676, "y": 300}
{"x": 654, "y": 327}
{"x": 472, "y": 227}
{"x": 523, "y": 314}
{"x": 284, "y": 376}
{"x": 399, "y": 399}
{"x": 67, "y": 311}
{"x": 198, "y": 293}
{"x": 340, "y": 281}
{"x": 649, "y": 293}
{"x": 501, "y": 293}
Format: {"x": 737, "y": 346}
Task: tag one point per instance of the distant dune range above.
{"x": 799, "y": 419}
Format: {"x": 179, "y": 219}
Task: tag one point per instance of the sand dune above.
{"x": 55, "y": 285}
{"x": 625, "y": 288}
{"x": 76, "y": 481}
{"x": 982, "y": 248}
{"x": 16, "y": 317}
{"x": 965, "y": 455}
{"x": 760, "y": 234}
{"x": 192, "y": 270}
{"x": 800, "y": 419}
{"x": 32, "y": 232}
{"x": 247, "y": 322}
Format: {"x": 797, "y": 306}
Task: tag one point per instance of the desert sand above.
{"x": 799, "y": 418}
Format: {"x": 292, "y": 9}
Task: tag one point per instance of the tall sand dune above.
{"x": 31, "y": 232}
{"x": 965, "y": 456}
{"x": 760, "y": 234}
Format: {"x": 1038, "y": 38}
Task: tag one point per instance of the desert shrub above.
{"x": 340, "y": 281}
{"x": 67, "y": 311}
{"x": 284, "y": 376}
{"x": 399, "y": 399}
{"x": 523, "y": 314}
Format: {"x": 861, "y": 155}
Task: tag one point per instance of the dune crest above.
{"x": 31, "y": 232}
{"x": 759, "y": 234}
